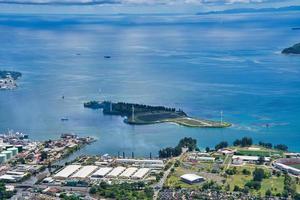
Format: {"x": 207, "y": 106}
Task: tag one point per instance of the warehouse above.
{"x": 140, "y": 173}
{"x": 101, "y": 172}
{"x": 85, "y": 171}
{"x": 251, "y": 159}
{"x": 191, "y": 178}
{"x": 128, "y": 172}
{"x": 287, "y": 168}
{"x": 116, "y": 172}
{"x": 67, "y": 171}
{"x": 141, "y": 162}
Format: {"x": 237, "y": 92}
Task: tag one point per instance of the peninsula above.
{"x": 139, "y": 114}
{"x": 292, "y": 50}
{"x": 8, "y": 79}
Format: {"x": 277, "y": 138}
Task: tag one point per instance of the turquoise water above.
{"x": 201, "y": 64}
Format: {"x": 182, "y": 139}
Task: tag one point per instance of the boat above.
{"x": 64, "y": 119}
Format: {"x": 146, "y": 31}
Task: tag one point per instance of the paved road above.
{"x": 158, "y": 186}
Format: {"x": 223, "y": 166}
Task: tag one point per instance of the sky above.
{"x": 133, "y": 6}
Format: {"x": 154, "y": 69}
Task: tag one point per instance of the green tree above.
{"x": 221, "y": 145}
{"x": 258, "y": 174}
{"x": 268, "y": 193}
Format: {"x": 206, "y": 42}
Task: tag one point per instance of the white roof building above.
{"x": 139, "y": 161}
{"x": 67, "y": 171}
{"x": 84, "y": 171}
{"x": 129, "y": 172}
{"x": 249, "y": 158}
{"x": 141, "y": 173}
{"x": 287, "y": 168}
{"x": 116, "y": 171}
{"x": 101, "y": 172}
{"x": 191, "y": 178}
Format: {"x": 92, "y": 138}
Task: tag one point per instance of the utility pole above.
{"x": 110, "y": 106}
{"x": 221, "y": 117}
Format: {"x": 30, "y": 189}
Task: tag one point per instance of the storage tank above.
{"x": 2, "y": 158}
{"x": 8, "y": 154}
{"x": 14, "y": 150}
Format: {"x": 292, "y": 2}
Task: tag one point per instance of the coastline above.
{"x": 138, "y": 114}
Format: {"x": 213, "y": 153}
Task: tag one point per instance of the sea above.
{"x": 202, "y": 64}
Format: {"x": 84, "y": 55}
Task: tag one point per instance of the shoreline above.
{"x": 139, "y": 114}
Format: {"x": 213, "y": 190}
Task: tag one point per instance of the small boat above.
{"x": 107, "y": 56}
{"x": 64, "y": 119}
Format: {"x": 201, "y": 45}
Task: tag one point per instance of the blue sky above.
{"x": 134, "y": 6}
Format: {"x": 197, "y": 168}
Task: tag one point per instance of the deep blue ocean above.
{"x": 201, "y": 64}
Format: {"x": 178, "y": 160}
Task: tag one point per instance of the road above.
{"x": 158, "y": 186}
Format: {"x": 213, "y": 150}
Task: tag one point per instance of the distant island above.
{"x": 139, "y": 114}
{"x": 8, "y": 79}
{"x": 251, "y": 10}
{"x": 292, "y": 50}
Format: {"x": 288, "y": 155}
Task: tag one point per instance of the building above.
{"x": 128, "y": 172}
{"x": 287, "y": 168}
{"x": 288, "y": 165}
{"x": 141, "y": 173}
{"x": 67, "y": 171}
{"x": 101, "y": 172}
{"x": 13, "y": 176}
{"x": 251, "y": 159}
{"x": 84, "y": 172}
{"x": 116, "y": 172}
{"x": 141, "y": 162}
{"x": 191, "y": 178}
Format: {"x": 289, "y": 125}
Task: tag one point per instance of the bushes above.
{"x": 281, "y": 147}
{"x": 253, "y": 185}
{"x": 246, "y": 172}
{"x": 244, "y": 142}
{"x": 231, "y": 171}
{"x": 186, "y": 142}
{"x": 136, "y": 190}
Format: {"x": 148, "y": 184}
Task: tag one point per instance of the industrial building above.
{"x": 191, "y": 178}
{"x": 67, "y": 171}
{"x": 252, "y": 159}
{"x": 141, "y": 173}
{"x": 286, "y": 165}
{"x": 13, "y": 176}
{"x": 84, "y": 172}
{"x": 141, "y": 162}
{"x": 128, "y": 172}
{"x": 116, "y": 171}
{"x": 101, "y": 172}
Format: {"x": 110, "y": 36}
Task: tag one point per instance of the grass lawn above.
{"x": 298, "y": 188}
{"x": 174, "y": 180}
{"x": 255, "y": 153}
{"x": 259, "y": 152}
{"x": 275, "y": 184}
